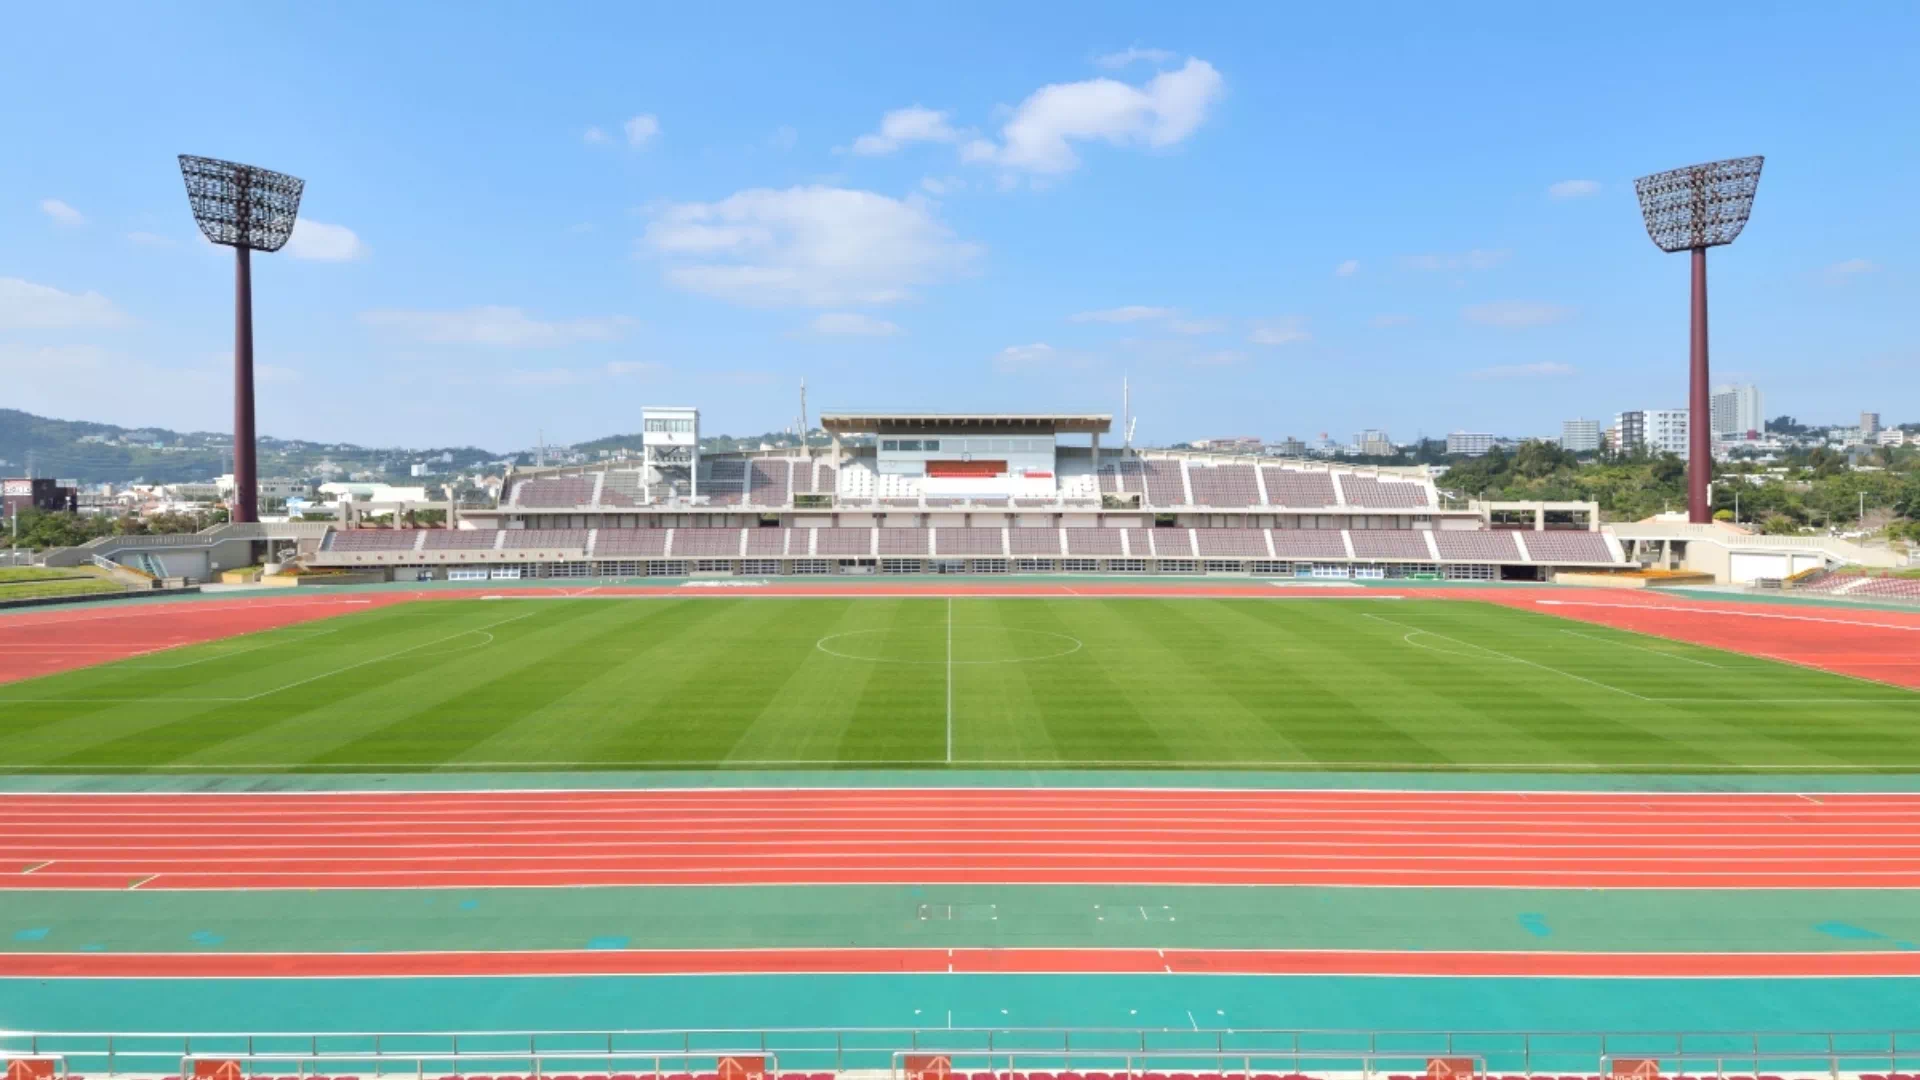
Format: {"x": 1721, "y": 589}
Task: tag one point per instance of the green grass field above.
{"x": 513, "y": 684}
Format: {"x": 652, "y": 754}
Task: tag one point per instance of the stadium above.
{"x": 964, "y": 739}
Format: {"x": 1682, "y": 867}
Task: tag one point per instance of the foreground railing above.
{"x": 881, "y": 1050}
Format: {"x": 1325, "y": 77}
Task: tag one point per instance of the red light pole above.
{"x": 1693, "y": 209}
{"x": 249, "y": 210}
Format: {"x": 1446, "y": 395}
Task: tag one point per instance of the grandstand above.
{"x": 992, "y": 493}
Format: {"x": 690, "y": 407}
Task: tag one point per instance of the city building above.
{"x": 1290, "y": 447}
{"x": 1869, "y": 426}
{"x": 1580, "y": 436}
{"x": 1667, "y": 431}
{"x": 1656, "y": 431}
{"x": 1736, "y": 412}
{"x": 1373, "y": 442}
{"x": 23, "y": 493}
{"x": 1893, "y": 437}
{"x": 1469, "y": 443}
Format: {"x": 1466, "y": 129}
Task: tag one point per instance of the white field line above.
{"x": 1644, "y": 649}
{"x": 225, "y": 655}
{"x": 387, "y": 656}
{"x": 1504, "y": 656}
{"x": 1804, "y": 665}
{"x": 1734, "y": 612}
{"x": 949, "y": 680}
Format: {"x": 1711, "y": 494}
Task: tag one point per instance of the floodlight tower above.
{"x": 1693, "y": 209}
{"x": 249, "y": 210}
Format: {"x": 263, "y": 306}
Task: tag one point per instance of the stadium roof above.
{"x": 861, "y": 422}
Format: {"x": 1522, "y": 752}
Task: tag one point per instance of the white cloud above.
{"x": 641, "y": 130}
{"x": 61, "y": 213}
{"x": 1574, "y": 189}
{"x": 807, "y": 246}
{"x": 1218, "y": 358}
{"x": 1196, "y": 326}
{"x": 319, "y": 242}
{"x": 596, "y": 136}
{"x": 1114, "y": 61}
{"x": 1477, "y": 259}
{"x": 1391, "y": 319}
{"x": 852, "y": 324}
{"x": 915, "y": 123}
{"x": 1039, "y": 137}
{"x": 1545, "y": 369}
{"x": 545, "y": 377}
{"x": 1851, "y": 268}
{"x": 1513, "y": 314}
{"x": 618, "y": 368}
{"x": 25, "y": 305}
{"x": 1131, "y": 313}
{"x": 1347, "y": 268}
{"x": 147, "y": 239}
{"x": 942, "y": 185}
{"x": 1289, "y": 330}
{"x": 1039, "y": 356}
{"x": 507, "y": 327}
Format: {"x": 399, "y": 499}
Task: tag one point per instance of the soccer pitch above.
{"x": 587, "y": 683}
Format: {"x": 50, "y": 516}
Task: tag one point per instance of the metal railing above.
{"x": 1242, "y": 1063}
{"x": 428, "y": 1063}
{"x": 843, "y": 1049}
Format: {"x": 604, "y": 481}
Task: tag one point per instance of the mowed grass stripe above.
{"x": 612, "y": 683}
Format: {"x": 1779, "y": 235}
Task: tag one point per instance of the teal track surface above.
{"x": 932, "y": 1001}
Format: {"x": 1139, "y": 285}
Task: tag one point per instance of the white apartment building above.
{"x": 1736, "y": 411}
{"x": 1469, "y": 443}
{"x": 1580, "y": 436}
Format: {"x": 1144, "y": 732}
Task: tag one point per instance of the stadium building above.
{"x": 983, "y": 493}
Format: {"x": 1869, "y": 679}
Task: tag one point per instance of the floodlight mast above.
{"x": 1693, "y": 209}
{"x": 247, "y": 209}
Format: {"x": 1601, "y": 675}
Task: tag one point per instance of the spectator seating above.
{"x": 725, "y": 482}
{"x": 903, "y": 541}
{"x": 948, "y": 542}
{"x": 517, "y": 539}
{"x": 1094, "y": 542}
{"x": 843, "y": 541}
{"x": 1164, "y": 485}
{"x": 1223, "y": 485}
{"x": 705, "y": 543}
{"x": 1033, "y": 541}
{"x": 1123, "y": 476}
{"x": 555, "y": 491}
{"x": 1297, "y": 487}
{"x": 1478, "y": 545}
{"x": 1231, "y": 543}
{"x": 643, "y": 542}
{"x": 1887, "y": 588}
{"x": 1308, "y": 543}
{"x": 768, "y": 480}
{"x": 1398, "y": 544}
{"x": 623, "y": 487}
{"x": 461, "y": 539}
{"x": 765, "y": 542}
{"x": 1377, "y": 494}
{"x": 1549, "y": 546}
{"x": 374, "y": 539}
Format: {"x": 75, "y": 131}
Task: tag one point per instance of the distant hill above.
{"x": 107, "y": 453}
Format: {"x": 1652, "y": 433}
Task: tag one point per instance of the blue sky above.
{"x": 1277, "y": 219}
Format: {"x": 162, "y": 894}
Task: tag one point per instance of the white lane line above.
{"x": 1730, "y": 611}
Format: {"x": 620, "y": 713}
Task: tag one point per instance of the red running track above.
{"x": 962, "y": 961}
{"x": 958, "y": 836}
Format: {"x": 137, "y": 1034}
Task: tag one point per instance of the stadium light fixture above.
{"x": 247, "y": 209}
{"x": 1693, "y": 209}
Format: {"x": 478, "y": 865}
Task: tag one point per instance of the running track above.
{"x": 419, "y": 840}
{"x": 855, "y": 961}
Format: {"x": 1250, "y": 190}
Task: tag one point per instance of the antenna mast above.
{"x": 1126, "y": 413}
{"x": 803, "y": 412}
